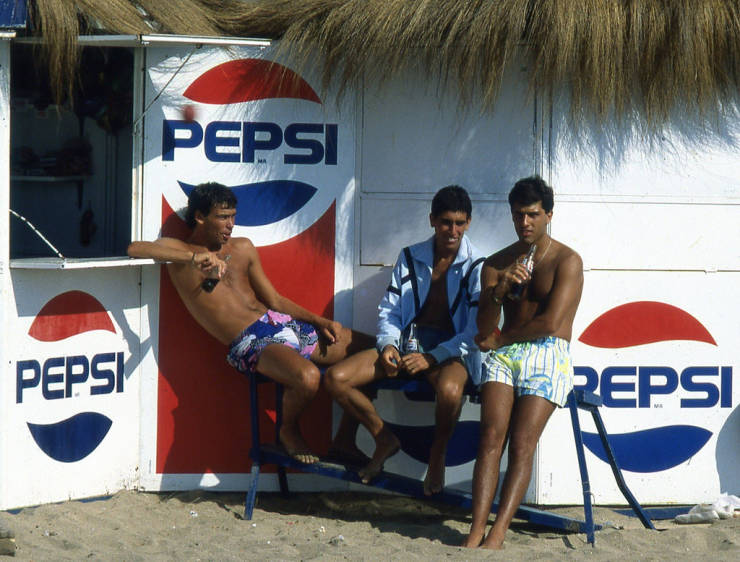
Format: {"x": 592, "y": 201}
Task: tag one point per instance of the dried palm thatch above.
{"x": 636, "y": 60}
{"x": 59, "y": 22}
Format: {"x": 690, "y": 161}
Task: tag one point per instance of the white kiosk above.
{"x": 108, "y": 384}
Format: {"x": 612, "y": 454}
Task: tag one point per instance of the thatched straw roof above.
{"x": 636, "y": 60}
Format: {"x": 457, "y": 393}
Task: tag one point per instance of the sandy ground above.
{"x": 331, "y": 526}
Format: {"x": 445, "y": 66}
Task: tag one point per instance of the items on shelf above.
{"x": 73, "y": 159}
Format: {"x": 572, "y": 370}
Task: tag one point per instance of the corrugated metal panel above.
{"x": 13, "y": 14}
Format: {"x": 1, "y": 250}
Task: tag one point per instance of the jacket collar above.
{"x": 424, "y": 251}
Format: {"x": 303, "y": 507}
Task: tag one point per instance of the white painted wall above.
{"x": 414, "y": 140}
{"x": 31, "y": 475}
{"x": 653, "y": 222}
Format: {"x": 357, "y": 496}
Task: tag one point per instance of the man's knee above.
{"x": 491, "y": 445}
{"x": 308, "y": 377}
{"x": 522, "y": 446}
{"x": 492, "y": 438}
{"x": 449, "y": 384}
{"x": 450, "y": 390}
{"x": 336, "y": 380}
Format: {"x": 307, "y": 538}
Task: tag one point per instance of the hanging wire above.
{"x": 161, "y": 91}
{"x": 24, "y": 219}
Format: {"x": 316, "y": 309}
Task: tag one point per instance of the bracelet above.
{"x": 192, "y": 260}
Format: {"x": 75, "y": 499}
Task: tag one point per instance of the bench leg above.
{"x": 252, "y": 492}
{"x": 254, "y": 452}
{"x": 587, "y": 507}
{"x": 636, "y": 507}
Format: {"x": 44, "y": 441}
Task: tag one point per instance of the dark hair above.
{"x": 528, "y": 191}
{"x": 451, "y": 198}
{"x": 205, "y": 196}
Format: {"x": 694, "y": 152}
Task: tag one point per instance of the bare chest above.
{"x": 540, "y": 286}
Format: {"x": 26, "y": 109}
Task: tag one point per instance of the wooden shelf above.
{"x": 78, "y": 263}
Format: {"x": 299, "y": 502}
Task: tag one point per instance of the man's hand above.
{"x": 415, "y": 363}
{"x": 515, "y": 273}
{"x": 330, "y": 329}
{"x": 390, "y": 359}
{"x": 206, "y": 261}
{"x": 490, "y": 341}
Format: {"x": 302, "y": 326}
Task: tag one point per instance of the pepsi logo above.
{"x": 66, "y": 369}
{"x": 69, "y": 314}
{"x": 644, "y": 322}
{"x": 261, "y": 129}
{"x": 650, "y": 450}
{"x": 639, "y": 334}
{"x": 73, "y": 439}
{"x": 249, "y": 80}
{"x": 416, "y": 441}
{"x": 266, "y": 202}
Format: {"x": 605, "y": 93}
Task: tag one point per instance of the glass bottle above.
{"x": 411, "y": 345}
{"x": 517, "y": 289}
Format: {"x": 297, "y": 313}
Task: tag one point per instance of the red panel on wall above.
{"x": 203, "y": 403}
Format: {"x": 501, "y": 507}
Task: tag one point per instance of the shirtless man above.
{"x": 435, "y": 284}
{"x": 265, "y": 331}
{"x": 528, "y": 371}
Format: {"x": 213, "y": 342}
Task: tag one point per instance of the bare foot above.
{"x": 351, "y": 456}
{"x": 434, "y": 481}
{"x": 494, "y": 540}
{"x": 473, "y": 540}
{"x": 293, "y": 443}
{"x": 386, "y": 445}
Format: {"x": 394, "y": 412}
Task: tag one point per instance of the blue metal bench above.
{"x": 590, "y": 402}
{"x": 269, "y": 454}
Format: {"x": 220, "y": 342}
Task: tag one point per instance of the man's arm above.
{"x": 562, "y": 302}
{"x": 388, "y": 337}
{"x": 171, "y": 250}
{"x": 267, "y": 293}
{"x": 491, "y": 298}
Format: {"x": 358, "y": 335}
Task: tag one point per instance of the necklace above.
{"x": 542, "y": 257}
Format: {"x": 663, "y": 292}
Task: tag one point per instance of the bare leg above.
{"x": 527, "y": 422}
{"x": 348, "y": 343}
{"x": 343, "y": 447}
{"x": 448, "y": 382}
{"x": 342, "y": 382}
{"x": 300, "y": 379}
{"x": 497, "y": 400}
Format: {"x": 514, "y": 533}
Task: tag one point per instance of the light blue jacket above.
{"x": 408, "y": 290}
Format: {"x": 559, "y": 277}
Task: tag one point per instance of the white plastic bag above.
{"x": 723, "y": 508}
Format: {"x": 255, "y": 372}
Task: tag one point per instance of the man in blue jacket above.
{"x": 435, "y": 285}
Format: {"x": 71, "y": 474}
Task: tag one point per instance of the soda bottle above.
{"x": 517, "y": 289}
{"x": 411, "y": 345}
{"x": 211, "y": 280}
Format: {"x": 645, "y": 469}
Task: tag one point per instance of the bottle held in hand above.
{"x": 517, "y": 290}
{"x": 411, "y": 345}
{"x": 212, "y": 279}
{"x": 210, "y": 282}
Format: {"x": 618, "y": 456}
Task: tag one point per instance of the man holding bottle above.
{"x": 431, "y": 303}
{"x": 237, "y": 304}
{"x": 528, "y": 371}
